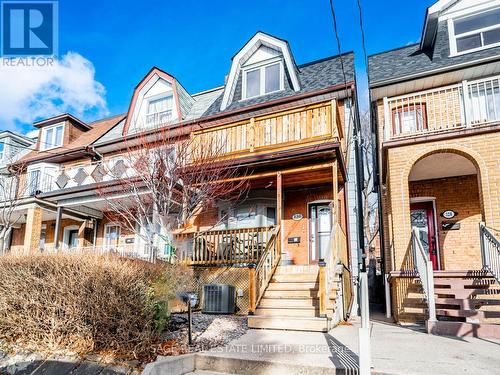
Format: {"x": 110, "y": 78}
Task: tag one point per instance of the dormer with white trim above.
{"x": 158, "y": 100}
{"x": 473, "y": 25}
{"x": 263, "y": 66}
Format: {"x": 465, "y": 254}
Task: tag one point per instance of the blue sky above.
{"x": 194, "y": 40}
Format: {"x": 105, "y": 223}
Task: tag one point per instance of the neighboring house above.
{"x": 436, "y": 113}
{"x": 12, "y": 147}
{"x": 287, "y": 124}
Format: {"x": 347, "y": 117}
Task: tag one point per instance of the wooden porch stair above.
{"x": 465, "y": 305}
{"x": 291, "y": 302}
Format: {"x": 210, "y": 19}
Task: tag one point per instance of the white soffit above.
{"x": 441, "y": 165}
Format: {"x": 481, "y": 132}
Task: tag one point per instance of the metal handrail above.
{"x": 425, "y": 272}
{"x": 490, "y": 251}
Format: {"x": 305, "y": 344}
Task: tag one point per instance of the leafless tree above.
{"x": 164, "y": 178}
{"x": 370, "y": 205}
{"x": 13, "y": 187}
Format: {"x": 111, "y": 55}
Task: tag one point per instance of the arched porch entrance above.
{"x": 446, "y": 205}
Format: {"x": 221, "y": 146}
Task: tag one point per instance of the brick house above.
{"x": 286, "y": 123}
{"x": 436, "y": 112}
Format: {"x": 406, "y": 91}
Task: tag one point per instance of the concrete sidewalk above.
{"x": 395, "y": 350}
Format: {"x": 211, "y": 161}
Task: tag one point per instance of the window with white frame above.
{"x": 52, "y": 137}
{"x": 159, "y": 111}
{"x": 263, "y": 79}
{"x": 475, "y": 32}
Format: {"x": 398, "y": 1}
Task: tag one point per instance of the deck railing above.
{"x": 424, "y": 269}
{"x": 467, "y": 104}
{"x": 226, "y": 247}
{"x": 490, "y": 251}
{"x": 282, "y": 129}
{"x": 264, "y": 270}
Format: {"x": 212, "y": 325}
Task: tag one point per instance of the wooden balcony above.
{"x": 227, "y": 247}
{"x": 284, "y": 130}
{"x": 464, "y": 105}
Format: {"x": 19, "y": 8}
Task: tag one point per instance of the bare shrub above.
{"x": 85, "y": 302}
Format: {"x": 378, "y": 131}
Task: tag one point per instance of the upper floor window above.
{"x": 159, "y": 111}
{"x": 476, "y": 32}
{"x": 2, "y": 150}
{"x": 52, "y": 137}
{"x": 262, "y": 80}
{"x": 409, "y": 119}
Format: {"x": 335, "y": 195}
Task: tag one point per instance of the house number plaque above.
{"x": 449, "y": 214}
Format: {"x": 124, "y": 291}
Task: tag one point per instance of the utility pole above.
{"x": 364, "y": 331}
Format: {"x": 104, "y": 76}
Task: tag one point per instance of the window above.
{"x": 262, "y": 80}
{"x": 409, "y": 119}
{"x": 34, "y": 182}
{"x": 159, "y": 111}
{"x": 111, "y": 235}
{"x": 475, "y": 32}
{"x": 52, "y": 137}
{"x": 2, "y": 150}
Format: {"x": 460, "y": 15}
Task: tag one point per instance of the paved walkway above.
{"x": 395, "y": 350}
{"x": 32, "y": 364}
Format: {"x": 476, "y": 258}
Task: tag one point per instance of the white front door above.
{"x": 320, "y": 219}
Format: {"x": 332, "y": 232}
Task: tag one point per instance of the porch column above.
{"x": 33, "y": 229}
{"x": 81, "y": 234}
{"x": 279, "y": 209}
{"x": 335, "y": 202}
{"x": 57, "y": 229}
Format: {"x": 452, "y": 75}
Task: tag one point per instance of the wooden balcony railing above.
{"x": 284, "y": 129}
{"x": 226, "y": 247}
{"x": 467, "y": 104}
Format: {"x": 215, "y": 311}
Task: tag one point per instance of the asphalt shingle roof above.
{"x": 410, "y": 60}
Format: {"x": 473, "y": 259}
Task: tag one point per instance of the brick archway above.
{"x": 400, "y": 195}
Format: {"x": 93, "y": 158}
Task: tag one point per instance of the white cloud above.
{"x": 31, "y": 93}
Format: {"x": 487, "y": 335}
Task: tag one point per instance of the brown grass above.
{"x": 85, "y": 303}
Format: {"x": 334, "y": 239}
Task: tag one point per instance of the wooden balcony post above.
{"x": 252, "y": 289}
{"x": 251, "y": 135}
{"x": 279, "y": 208}
{"x": 322, "y": 288}
{"x": 333, "y": 126}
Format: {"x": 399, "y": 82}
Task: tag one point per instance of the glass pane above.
{"x": 468, "y": 42}
{"x": 47, "y": 142}
{"x": 59, "y": 131}
{"x": 2, "y": 147}
{"x": 477, "y": 21}
{"x": 272, "y": 78}
{"x": 491, "y": 37}
{"x": 253, "y": 83}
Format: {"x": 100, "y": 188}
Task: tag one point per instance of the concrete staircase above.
{"x": 291, "y": 302}
{"x": 467, "y": 304}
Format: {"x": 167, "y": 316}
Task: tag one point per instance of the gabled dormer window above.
{"x": 52, "y": 137}
{"x": 262, "y": 79}
{"x": 476, "y": 32}
{"x": 159, "y": 111}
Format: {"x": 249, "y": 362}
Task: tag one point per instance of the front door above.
{"x": 320, "y": 219}
{"x": 72, "y": 238}
{"x": 423, "y": 218}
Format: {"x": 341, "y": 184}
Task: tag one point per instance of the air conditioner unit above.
{"x": 219, "y": 299}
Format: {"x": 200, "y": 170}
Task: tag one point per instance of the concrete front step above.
{"x": 468, "y": 304}
{"x": 463, "y": 293}
{"x": 297, "y": 269}
{"x": 477, "y": 314}
{"x": 312, "y": 324}
{"x": 309, "y": 312}
{"x": 463, "y": 329}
